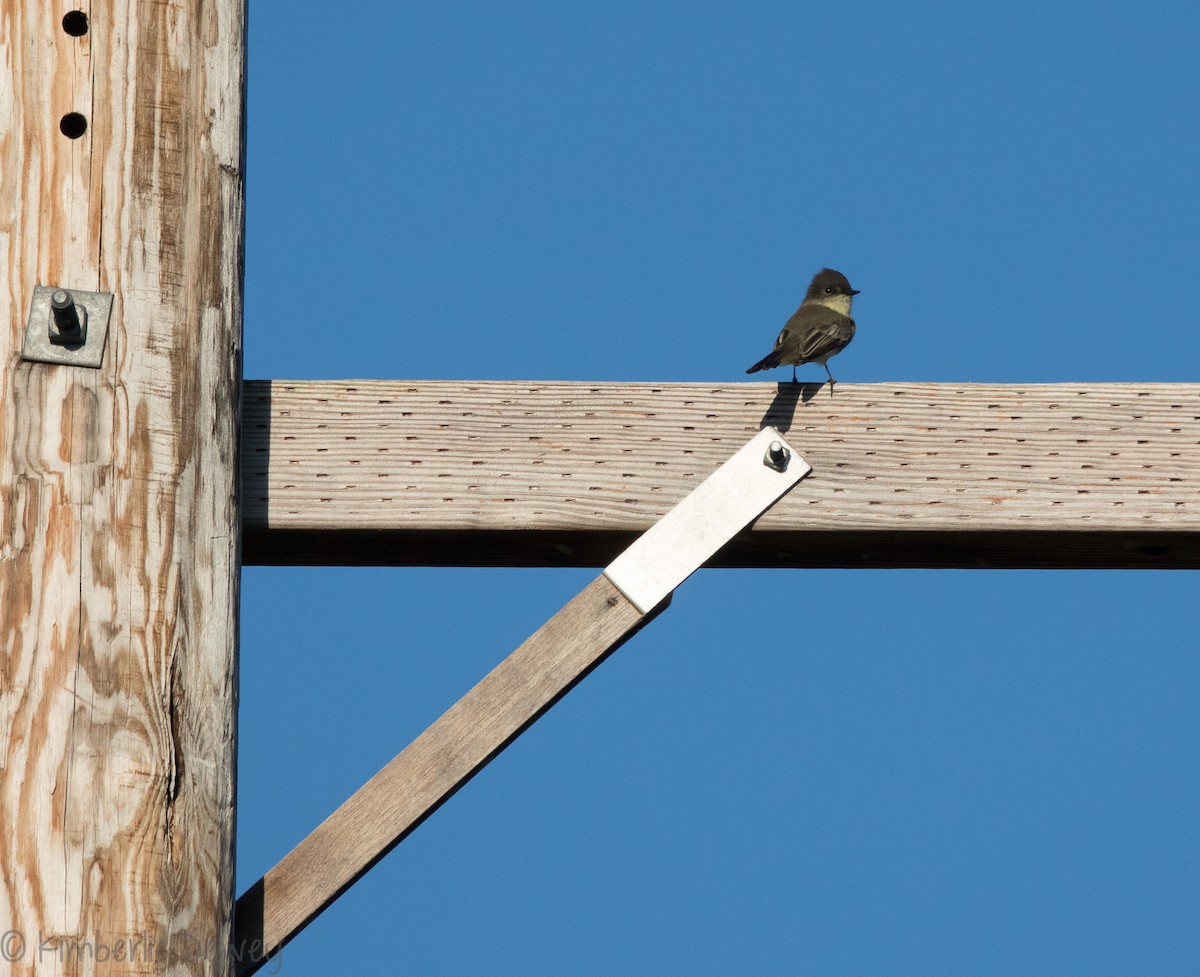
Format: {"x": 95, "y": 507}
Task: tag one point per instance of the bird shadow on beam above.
{"x": 783, "y": 407}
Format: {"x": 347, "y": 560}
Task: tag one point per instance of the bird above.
{"x": 819, "y": 329}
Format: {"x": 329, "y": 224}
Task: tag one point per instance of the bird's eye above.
{"x": 828, "y": 289}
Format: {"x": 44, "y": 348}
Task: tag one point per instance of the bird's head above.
{"x": 831, "y": 289}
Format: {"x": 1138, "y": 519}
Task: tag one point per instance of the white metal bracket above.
{"x": 720, "y": 507}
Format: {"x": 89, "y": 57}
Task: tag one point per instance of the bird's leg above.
{"x": 832, "y": 381}
{"x": 794, "y": 380}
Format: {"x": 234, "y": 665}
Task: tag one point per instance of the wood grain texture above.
{"x": 118, "y": 489}
{"x": 377, "y": 817}
{"x": 520, "y": 473}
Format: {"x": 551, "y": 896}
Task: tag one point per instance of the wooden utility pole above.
{"x": 120, "y": 172}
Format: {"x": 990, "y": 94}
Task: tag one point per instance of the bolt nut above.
{"x": 68, "y": 321}
{"x": 777, "y": 456}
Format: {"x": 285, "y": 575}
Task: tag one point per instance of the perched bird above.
{"x": 819, "y": 329}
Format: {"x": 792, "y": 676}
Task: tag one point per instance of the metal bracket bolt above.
{"x": 777, "y": 456}
{"x": 68, "y": 321}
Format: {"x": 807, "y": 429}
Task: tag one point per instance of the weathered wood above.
{"x": 118, "y": 490}
{"x": 436, "y": 764}
{"x": 508, "y": 473}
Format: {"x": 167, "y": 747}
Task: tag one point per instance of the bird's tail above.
{"x": 768, "y": 362}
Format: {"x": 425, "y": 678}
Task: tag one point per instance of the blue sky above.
{"x": 917, "y": 772}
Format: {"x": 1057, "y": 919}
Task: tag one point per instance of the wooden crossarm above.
{"x": 539, "y": 473}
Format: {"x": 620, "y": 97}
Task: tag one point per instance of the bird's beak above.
{"x": 855, "y": 291}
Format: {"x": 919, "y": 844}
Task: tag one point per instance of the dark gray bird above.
{"x": 819, "y": 329}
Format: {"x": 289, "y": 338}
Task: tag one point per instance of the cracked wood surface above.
{"x": 118, "y": 490}
{"x": 556, "y": 473}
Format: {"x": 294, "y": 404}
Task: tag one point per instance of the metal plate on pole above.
{"x": 46, "y": 341}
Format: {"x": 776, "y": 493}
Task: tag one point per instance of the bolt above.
{"x": 67, "y": 318}
{"x": 776, "y": 457}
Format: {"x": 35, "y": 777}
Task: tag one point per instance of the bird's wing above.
{"x": 816, "y": 339}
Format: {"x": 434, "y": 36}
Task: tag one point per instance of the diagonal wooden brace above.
{"x": 599, "y": 619}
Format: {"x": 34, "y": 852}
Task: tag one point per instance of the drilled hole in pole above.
{"x": 73, "y": 125}
{"x": 75, "y": 23}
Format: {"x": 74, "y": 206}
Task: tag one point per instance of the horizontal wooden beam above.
{"x": 505, "y": 473}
